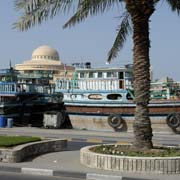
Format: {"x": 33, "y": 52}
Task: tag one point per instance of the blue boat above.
{"x": 26, "y": 103}
{"x": 102, "y": 99}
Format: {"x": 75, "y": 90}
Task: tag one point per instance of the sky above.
{"x": 91, "y": 40}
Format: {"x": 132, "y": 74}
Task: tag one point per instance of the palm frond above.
{"x": 36, "y": 11}
{"x": 175, "y": 5}
{"x": 123, "y": 31}
{"x": 90, "y": 7}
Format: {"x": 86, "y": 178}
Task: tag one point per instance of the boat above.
{"x": 102, "y": 99}
{"x": 26, "y": 103}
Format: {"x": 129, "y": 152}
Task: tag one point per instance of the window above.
{"x": 91, "y": 74}
{"x": 100, "y": 74}
{"x": 128, "y": 74}
{"x": 121, "y": 75}
{"x": 111, "y": 74}
{"x": 114, "y": 96}
{"x": 82, "y": 75}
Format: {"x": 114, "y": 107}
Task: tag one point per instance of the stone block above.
{"x": 113, "y": 162}
{"x": 161, "y": 169}
{"x": 130, "y": 168}
{"x": 152, "y": 165}
{"x": 177, "y": 166}
{"x": 165, "y": 171}
{"x": 125, "y": 164}
{"x": 157, "y": 165}
{"x": 122, "y": 164}
{"x": 143, "y": 165}
{"x": 117, "y": 164}
{"x": 139, "y": 165}
{"x": 134, "y": 165}
{"x": 173, "y": 166}
{"x": 109, "y": 166}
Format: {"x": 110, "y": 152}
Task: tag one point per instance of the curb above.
{"x": 36, "y": 171}
{"x": 93, "y": 176}
{"x": 66, "y": 174}
{"x": 43, "y": 172}
{"x": 10, "y": 169}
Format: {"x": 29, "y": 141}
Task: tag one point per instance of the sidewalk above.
{"x": 67, "y": 163}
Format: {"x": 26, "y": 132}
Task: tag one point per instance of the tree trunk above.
{"x": 140, "y": 12}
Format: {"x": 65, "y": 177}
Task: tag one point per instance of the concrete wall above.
{"x": 160, "y": 165}
{"x": 21, "y": 152}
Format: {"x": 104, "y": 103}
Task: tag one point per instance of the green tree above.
{"x": 135, "y": 18}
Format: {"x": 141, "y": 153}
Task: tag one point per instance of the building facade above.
{"x": 44, "y": 67}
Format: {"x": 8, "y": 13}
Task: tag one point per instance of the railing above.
{"x": 6, "y": 87}
{"x": 157, "y": 91}
{"x": 106, "y": 84}
{"x": 39, "y": 75}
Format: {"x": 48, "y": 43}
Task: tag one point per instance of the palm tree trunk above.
{"x": 140, "y": 14}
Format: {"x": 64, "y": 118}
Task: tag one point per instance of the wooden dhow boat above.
{"x": 106, "y": 104}
{"x": 26, "y": 103}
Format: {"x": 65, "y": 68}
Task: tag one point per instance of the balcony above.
{"x": 35, "y": 76}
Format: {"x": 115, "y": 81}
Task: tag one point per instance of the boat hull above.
{"x": 27, "y": 108}
{"x": 95, "y": 116}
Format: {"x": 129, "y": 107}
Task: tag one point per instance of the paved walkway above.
{"x": 67, "y": 163}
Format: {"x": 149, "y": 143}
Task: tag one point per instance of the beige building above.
{"x": 45, "y": 66}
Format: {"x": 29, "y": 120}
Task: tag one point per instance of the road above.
{"x": 69, "y": 161}
{"x": 90, "y": 136}
{"x": 16, "y": 176}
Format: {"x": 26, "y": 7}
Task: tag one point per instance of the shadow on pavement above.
{"x": 74, "y": 146}
{"x": 71, "y": 146}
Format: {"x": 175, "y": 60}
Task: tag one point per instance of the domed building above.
{"x": 45, "y": 66}
{"x": 45, "y": 53}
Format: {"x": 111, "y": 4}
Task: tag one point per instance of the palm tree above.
{"x": 135, "y": 19}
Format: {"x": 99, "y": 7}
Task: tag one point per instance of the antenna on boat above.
{"x": 10, "y": 65}
{"x": 65, "y": 71}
